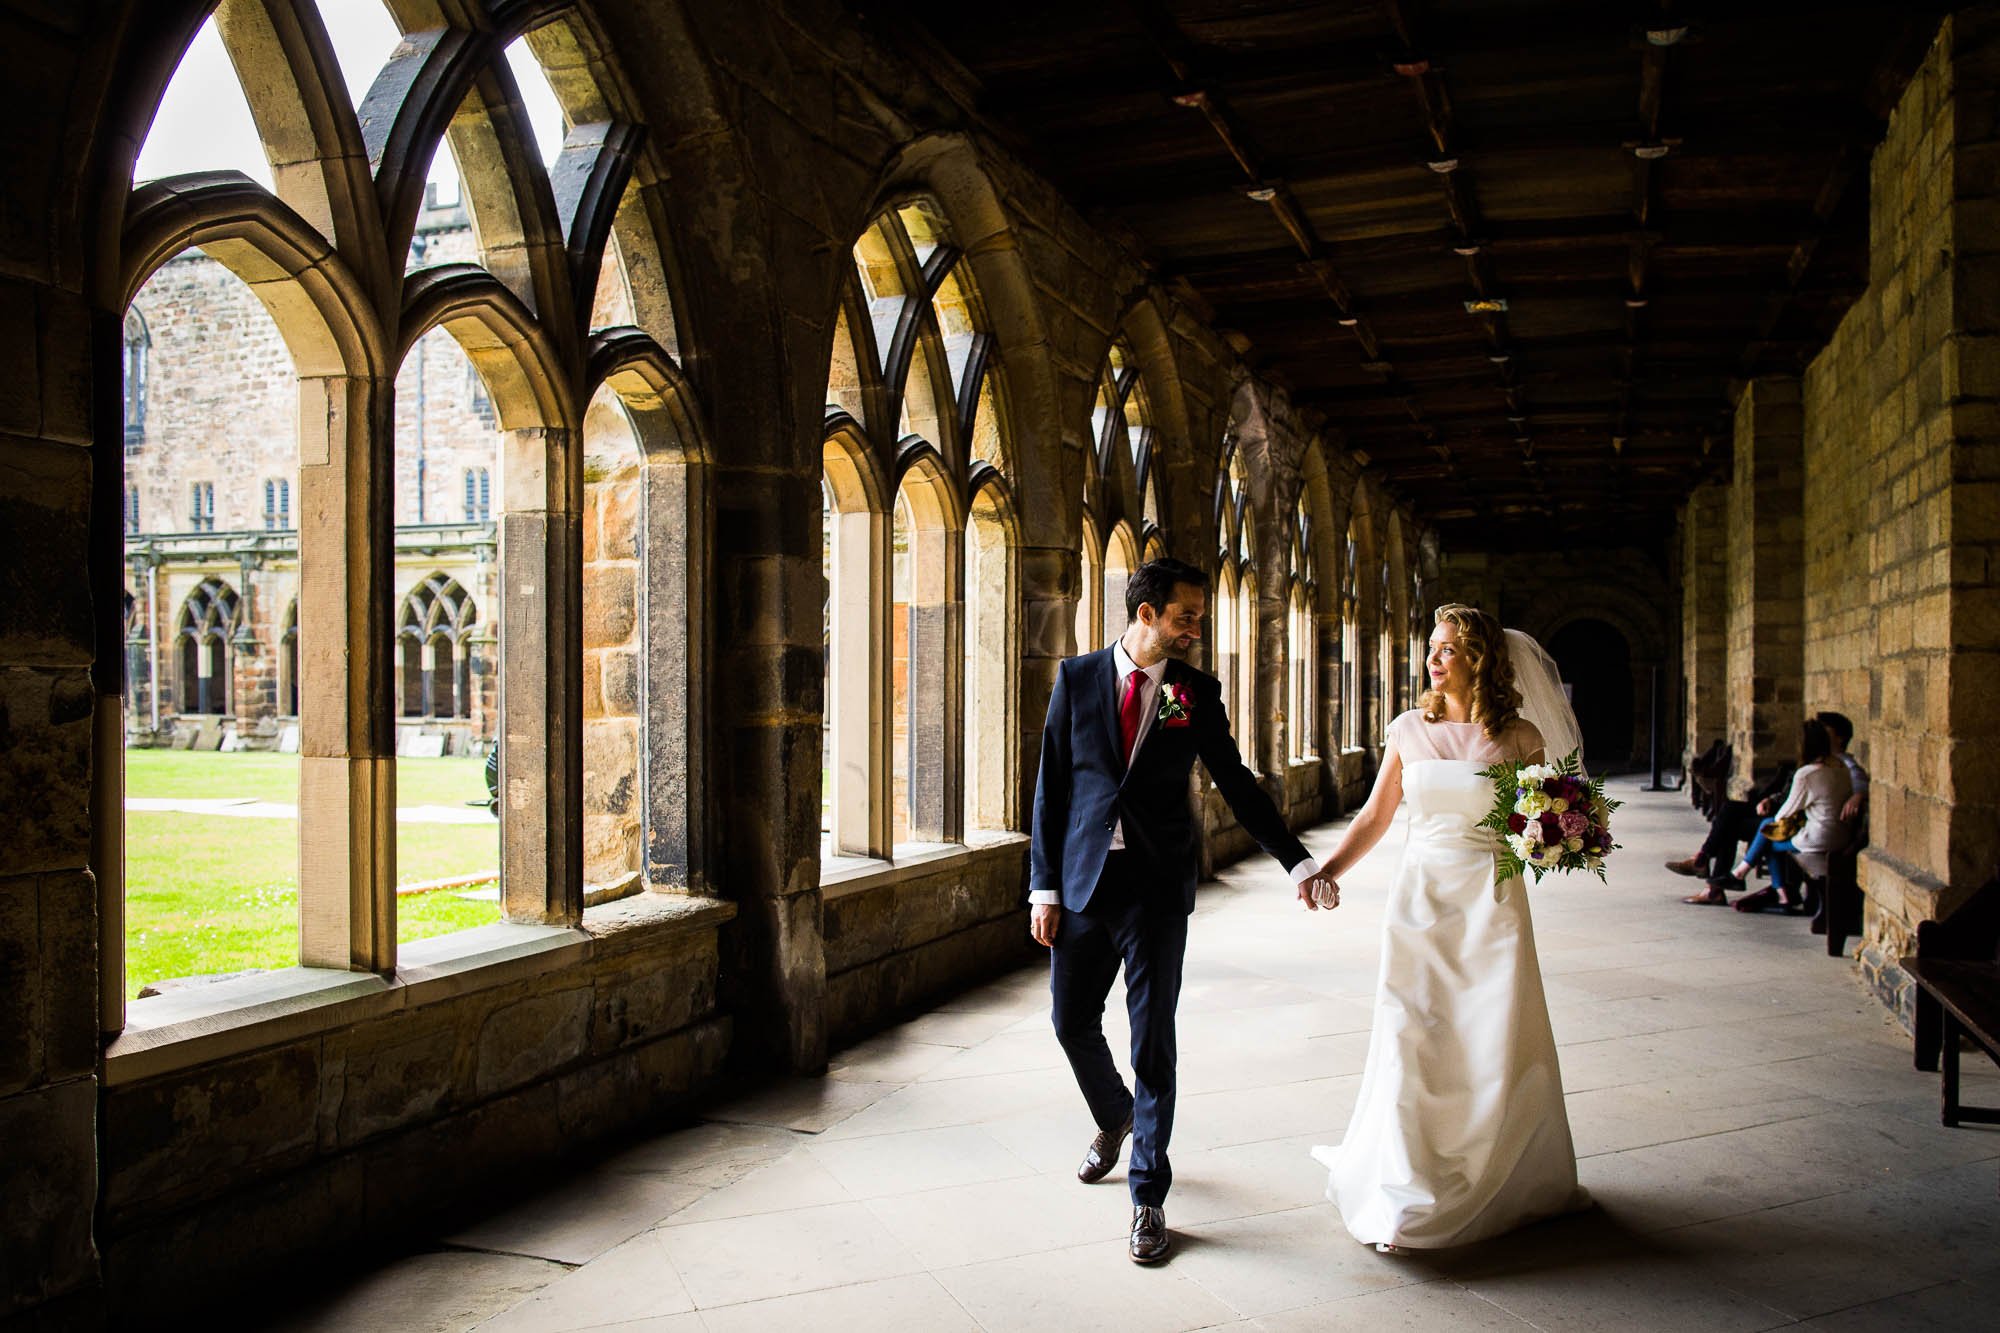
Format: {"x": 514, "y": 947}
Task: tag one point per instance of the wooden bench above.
{"x": 1956, "y": 970}
{"x": 1971, "y": 934}
{"x": 1967, "y": 994}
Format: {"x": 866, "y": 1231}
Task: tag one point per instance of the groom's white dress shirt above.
{"x": 1149, "y": 694}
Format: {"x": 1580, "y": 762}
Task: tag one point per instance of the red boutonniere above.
{"x": 1176, "y": 705}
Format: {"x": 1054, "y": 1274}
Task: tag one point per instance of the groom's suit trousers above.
{"x": 1137, "y": 920}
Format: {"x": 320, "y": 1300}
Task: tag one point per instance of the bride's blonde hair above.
{"x": 1495, "y": 701}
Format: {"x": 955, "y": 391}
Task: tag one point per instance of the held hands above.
{"x": 1321, "y": 891}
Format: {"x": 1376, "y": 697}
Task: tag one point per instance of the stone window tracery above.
{"x": 918, "y": 545}
{"x": 137, "y": 366}
{"x": 277, "y": 504}
{"x": 1302, "y": 635}
{"x": 208, "y": 625}
{"x": 505, "y": 255}
{"x": 436, "y": 620}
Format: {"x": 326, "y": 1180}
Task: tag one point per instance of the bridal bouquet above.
{"x": 1549, "y": 817}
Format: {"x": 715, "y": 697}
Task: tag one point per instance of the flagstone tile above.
{"x": 578, "y": 1220}
{"x": 1087, "y": 1287}
{"x": 913, "y": 1304}
{"x": 731, "y": 1260}
{"x": 438, "y": 1291}
{"x": 920, "y": 1160}
{"x": 632, "y": 1281}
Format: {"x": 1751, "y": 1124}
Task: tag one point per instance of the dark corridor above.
{"x": 1596, "y": 663}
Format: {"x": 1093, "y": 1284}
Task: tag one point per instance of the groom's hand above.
{"x": 1319, "y": 891}
{"x": 1042, "y": 921}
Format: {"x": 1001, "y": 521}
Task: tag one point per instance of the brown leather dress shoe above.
{"x": 1691, "y": 866}
{"x": 1103, "y": 1153}
{"x": 1150, "y": 1241}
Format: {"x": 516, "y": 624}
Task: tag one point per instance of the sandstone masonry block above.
{"x": 45, "y": 725}
{"x": 176, "y": 1137}
{"x": 48, "y": 1176}
{"x": 531, "y": 1038}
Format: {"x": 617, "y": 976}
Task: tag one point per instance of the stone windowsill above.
{"x": 842, "y": 875}
{"x": 203, "y": 1024}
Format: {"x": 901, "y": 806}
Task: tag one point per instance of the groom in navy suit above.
{"x": 1112, "y": 871}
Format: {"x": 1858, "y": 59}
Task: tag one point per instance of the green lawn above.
{"x": 275, "y": 777}
{"x": 220, "y": 894}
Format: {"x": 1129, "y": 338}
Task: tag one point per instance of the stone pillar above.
{"x": 1050, "y": 583}
{"x": 61, "y": 671}
{"x": 1704, "y": 535}
{"x": 768, "y": 602}
{"x": 1766, "y": 575}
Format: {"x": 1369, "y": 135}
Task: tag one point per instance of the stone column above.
{"x": 60, "y": 681}
{"x": 1766, "y": 576}
{"x": 768, "y": 603}
{"x": 1050, "y": 578}
{"x": 1704, "y": 534}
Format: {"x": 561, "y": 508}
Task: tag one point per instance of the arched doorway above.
{"x": 1596, "y": 662}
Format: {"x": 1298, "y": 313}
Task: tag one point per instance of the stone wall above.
{"x": 898, "y": 940}
{"x": 403, "y": 1101}
{"x": 1902, "y": 588}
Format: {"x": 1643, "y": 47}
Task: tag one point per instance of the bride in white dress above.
{"x": 1459, "y": 1131}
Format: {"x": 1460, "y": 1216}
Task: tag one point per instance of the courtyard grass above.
{"x": 220, "y": 894}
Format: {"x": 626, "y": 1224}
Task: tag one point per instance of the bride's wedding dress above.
{"x": 1459, "y": 1131}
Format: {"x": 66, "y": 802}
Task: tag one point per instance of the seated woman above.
{"x": 1819, "y": 789}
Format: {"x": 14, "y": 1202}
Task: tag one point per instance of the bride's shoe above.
{"x": 1384, "y": 1247}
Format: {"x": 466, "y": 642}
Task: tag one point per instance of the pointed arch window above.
{"x": 919, "y": 570}
{"x": 431, "y": 637}
{"x": 277, "y": 504}
{"x": 207, "y": 627}
{"x": 1302, "y": 636}
{"x": 513, "y": 278}
{"x": 1385, "y": 643}
{"x": 138, "y": 353}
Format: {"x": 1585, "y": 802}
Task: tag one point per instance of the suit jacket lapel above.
{"x": 1108, "y": 692}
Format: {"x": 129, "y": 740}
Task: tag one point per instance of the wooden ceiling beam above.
{"x": 1707, "y": 232}
{"x": 1124, "y": 169}
{"x": 1180, "y": 59}
{"x": 1433, "y": 94}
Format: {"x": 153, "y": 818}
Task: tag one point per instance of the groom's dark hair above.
{"x": 1153, "y": 583}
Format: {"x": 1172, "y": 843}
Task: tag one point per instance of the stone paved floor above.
{"x": 1760, "y": 1149}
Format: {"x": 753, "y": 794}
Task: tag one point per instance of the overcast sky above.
{"x": 204, "y": 124}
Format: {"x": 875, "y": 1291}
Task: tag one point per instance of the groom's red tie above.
{"x": 1128, "y": 714}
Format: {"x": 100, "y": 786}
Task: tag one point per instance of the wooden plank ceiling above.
{"x": 1665, "y": 199}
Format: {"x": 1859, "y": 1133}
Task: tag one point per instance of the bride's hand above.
{"x": 1319, "y": 891}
